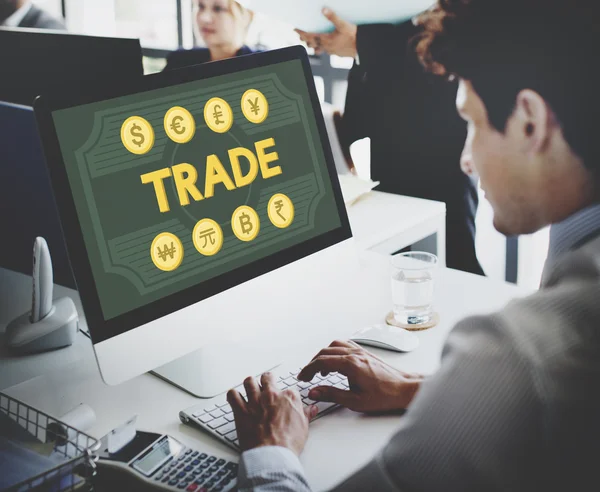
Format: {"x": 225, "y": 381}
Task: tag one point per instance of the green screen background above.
{"x": 119, "y": 216}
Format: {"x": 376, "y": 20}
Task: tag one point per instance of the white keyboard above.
{"x": 217, "y": 419}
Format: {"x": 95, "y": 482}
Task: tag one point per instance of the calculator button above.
{"x": 218, "y": 488}
{"x": 195, "y": 462}
{"x": 181, "y": 475}
{"x": 173, "y": 482}
{"x": 212, "y": 459}
{"x": 231, "y": 466}
{"x": 188, "y": 459}
{"x": 221, "y": 462}
{"x": 203, "y": 456}
{"x": 192, "y": 488}
{"x": 195, "y": 453}
{"x": 188, "y": 451}
{"x": 182, "y": 485}
{"x": 206, "y": 464}
{"x": 213, "y": 468}
{"x": 188, "y": 469}
{"x": 166, "y": 479}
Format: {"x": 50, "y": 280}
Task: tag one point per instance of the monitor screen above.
{"x": 198, "y": 186}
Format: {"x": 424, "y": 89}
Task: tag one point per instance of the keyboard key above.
{"x": 217, "y": 423}
{"x": 324, "y": 405}
{"x": 210, "y": 409}
{"x": 226, "y": 429}
{"x": 229, "y": 417}
{"x": 236, "y": 442}
{"x": 304, "y": 393}
{"x": 217, "y": 413}
{"x": 227, "y": 408}
{"x": 232, "y": 436}
{"x": 206, "y": 418}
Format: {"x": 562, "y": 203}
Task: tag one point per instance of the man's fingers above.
{"x": 331, "y": 394}
{"x": 311, "y": 412}
{"x": 339, "y": 23}
{"x": 333, "y": 351}
{"x": 237, "y": 402}
{"x": 267, "y": 381}
{"x": 344, "y": 343}
{"x": 328, "y": 363}
{"x": 252, "y": 391}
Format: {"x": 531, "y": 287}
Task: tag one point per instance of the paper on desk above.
{"x": 354, "y": 187}
{"x": 306, "y": 15}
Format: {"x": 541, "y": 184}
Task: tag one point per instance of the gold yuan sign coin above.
{"x": 137, "y": 135}
{"x": 218, "y": 115}
{"x": 245, "y": 223}
{"x": 166, "y": 252}
{"x": 208, "y": 237}
{"x": 280, "y": 210}
{"x": 255, "y": 106}
{"x": 180, "y": 125}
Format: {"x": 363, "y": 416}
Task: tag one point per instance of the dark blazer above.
{"x": 196, "y": 56}
{"x": 39, "y": 19}
{"x": 416, "y": 134}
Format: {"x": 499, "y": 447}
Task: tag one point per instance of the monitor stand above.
{"x": 214, "y": 369}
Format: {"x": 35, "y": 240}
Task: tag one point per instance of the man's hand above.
{"x": 374, "y": 385}
{"x": 341, "y": 42}
{"x": 270, "y": 417}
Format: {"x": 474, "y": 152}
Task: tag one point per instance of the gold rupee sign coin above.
{"x": 218, "y": 115}
{"x": 180, "y": 125}
{"x": 255, "y": 106}
{"x": 280, "y": 210}
{"x": 208, "y": 237}
{"x": 166, "y": 252}
{"x": 137, "y": 135}
{"x": 245, "y": 223}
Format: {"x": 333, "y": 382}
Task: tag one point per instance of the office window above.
{"x": 153, "y": 21}
{"x": 320, "y": 85}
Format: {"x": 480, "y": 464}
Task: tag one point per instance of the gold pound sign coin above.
{"x": 218, "y": 115}
{"x": 245, "y": 223}
{"x": 166, "y": 252}
{"x": 255, "y": 106}
{"x": 137, "y": 135}
{"x": 180, "y": 125}
{"x": 280, "y": 210}
{"x": 208, "y": 237}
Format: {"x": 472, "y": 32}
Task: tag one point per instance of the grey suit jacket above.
{"x": 39, "y": 19}
{"x": 514, "y": 407}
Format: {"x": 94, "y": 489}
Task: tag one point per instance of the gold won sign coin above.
{"x": 166, "y": 252}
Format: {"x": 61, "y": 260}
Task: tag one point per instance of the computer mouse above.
{"x": 387, "y": 337}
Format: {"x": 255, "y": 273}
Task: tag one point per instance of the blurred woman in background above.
{"x": 223, "y": 25}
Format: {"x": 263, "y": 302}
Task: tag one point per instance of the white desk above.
{"x": 157, "y": 403}
{"x": 386, "y": 223}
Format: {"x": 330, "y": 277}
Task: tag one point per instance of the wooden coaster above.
{"x": 391, "y": 320}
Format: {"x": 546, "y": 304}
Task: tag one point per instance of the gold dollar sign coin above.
{"x": 208, "y": 237}
{"x": 166, "y": 252}
{"x": 137, "y": 135}
{"x": 180, "y": 125}
{"x": 255, "y": 106}
{"x": 280, "y": 210}
{"x": 218, "y": 115}
{"x": 245, "y": 223}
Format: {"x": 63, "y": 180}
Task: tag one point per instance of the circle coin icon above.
{"x": 137, "y": 135}
{"x": 218, "y": 115}
{"x": 245, "y": 223}
{"x": 166, "y": 252}
{"x": 280, "y": 210}
{"x": 180, "y": 125}
{"x": 255, "y": 106}
{"x": 208, "y": 237}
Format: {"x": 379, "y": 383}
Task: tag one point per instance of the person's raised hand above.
{"x": 270, "y": 417}
{"x": 375, "y": 386}
{"x": 341, "y": 42}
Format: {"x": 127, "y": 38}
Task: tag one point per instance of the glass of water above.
{"x": 412, "y": 289}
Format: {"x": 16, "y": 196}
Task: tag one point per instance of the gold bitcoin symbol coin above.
{"x": 255, "y": 106}
{"x": 245, "y": 223}
{"x": 180, "y": 125}
{"x": 166, "y": 252}
{"x": 280, "y": 210}
{"x": 218, "y": 115}
{"x": 137, "y": 135}
{"x": 208, "y": 237}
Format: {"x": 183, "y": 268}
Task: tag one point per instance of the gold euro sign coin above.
{"x": 180, "y": 125}
{"x": 208, "y": 237}
{"x": 280, "y": 210}
{"x": 166, "y": 252}
{"x": 255, "y": 106}
{"x": 245, "y": 223}
{"x": 137, "y": 135}
{"x": 218, "y": 115}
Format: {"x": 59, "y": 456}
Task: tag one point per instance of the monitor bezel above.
{"x": 102, "y": 329}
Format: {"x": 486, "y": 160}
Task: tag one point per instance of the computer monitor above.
{"x": 26, "y": 200}
{"x": 36, "y": 61}
{"x": 196, "y": 204}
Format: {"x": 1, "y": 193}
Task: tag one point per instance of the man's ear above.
{"x": 533, "y": 121}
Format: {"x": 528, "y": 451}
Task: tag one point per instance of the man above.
{"x": 409, "y": 115}
{"x": 516, "y": 403}
{"x": 23, "y": 13}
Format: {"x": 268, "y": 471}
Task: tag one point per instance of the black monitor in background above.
{"x": 27, "y": 208}
{"x": 35, "y": 62}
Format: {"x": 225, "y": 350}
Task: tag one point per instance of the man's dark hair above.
{"x": 505, "y": 46}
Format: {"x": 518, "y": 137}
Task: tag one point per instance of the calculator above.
{"x": 160, "y": 462}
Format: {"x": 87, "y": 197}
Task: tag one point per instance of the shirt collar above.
{"x": 574, "y": 231}
{"x": 15, "y": 19}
